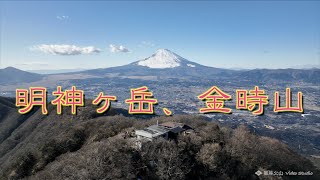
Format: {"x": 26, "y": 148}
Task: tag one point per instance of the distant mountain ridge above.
{"x": 11, "y": 75}
{"x": 165, "y": 64}
{"x": 307, "y": 75}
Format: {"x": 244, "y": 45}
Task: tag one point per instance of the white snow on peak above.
{"x": 191, "y": 65}
{"x": 163, "y": 58}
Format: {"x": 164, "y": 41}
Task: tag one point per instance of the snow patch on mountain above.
{"x": 163, "y": 58}
{"x": 191, "y": 65}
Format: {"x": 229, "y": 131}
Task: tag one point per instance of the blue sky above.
{"x": 68, "y": 35}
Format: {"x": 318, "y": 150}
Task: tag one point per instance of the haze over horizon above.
{"x": 242, "y": 35}
{"x": 162, "y": 61}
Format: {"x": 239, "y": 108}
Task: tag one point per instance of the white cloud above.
{"x": 115, "y": 49}
{"x": 62, "y": 17}
{"x": 65, "y": 49}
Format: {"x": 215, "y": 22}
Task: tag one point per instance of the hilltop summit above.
{"x": 164, "y": 58}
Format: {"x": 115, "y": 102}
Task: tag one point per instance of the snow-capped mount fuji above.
{"x": 164, "y": 58}
{"x": 163, "y": 64}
